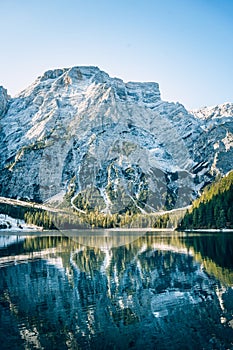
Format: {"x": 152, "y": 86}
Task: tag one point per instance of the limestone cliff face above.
{"x": 78, "y": 131}
{"x": 3, "y": 100}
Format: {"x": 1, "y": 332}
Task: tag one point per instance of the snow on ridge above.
{"x": 213, "y": 112}
{"x": 73, "y": 124}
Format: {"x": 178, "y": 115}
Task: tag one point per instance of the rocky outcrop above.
{"x": 3, "y": 100}
{"x": 118, "y": 145}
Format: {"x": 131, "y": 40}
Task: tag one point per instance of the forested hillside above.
{"x": 214, "y": 209}
{"x": 92, "y": 219}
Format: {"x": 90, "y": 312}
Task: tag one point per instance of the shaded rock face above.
{"x": 3, "y": 100}
{"x": 78, "y": 131}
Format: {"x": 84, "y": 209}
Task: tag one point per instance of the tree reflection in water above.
{"x": 117, "y": 290}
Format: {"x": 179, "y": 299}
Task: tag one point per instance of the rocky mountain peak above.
{"x": 77, "y": 133}
{"x": 213, "y": 112}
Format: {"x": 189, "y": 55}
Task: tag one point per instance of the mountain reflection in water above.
{"x": 116, "y": 290}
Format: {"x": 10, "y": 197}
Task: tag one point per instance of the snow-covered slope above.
{"x": 8, "y": 223}
{"x": 218, "y": 137}
{"x": 214, "y": 112}
{"x": 107, "y": 144}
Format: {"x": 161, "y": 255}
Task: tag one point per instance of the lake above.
{"x": 116, "y": 290}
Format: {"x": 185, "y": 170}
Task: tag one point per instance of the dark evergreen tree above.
{"x": 214, "y": 209}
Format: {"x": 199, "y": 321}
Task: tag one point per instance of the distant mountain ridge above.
{"x": 80, "y": 136}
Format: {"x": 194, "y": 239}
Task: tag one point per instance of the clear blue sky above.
{"x": 184, "y": 45}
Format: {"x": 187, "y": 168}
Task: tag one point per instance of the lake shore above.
{"x": 7, "y": 223}
{"x": 209, "y": 230}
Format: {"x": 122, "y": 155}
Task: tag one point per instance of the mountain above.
{"x": 80, "y": 137}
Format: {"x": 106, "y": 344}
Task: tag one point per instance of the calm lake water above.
{"x": 116, "y": 290}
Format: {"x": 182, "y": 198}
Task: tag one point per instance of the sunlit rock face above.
{"x": 78, "y": 130}
{"x": 216, "y": 142}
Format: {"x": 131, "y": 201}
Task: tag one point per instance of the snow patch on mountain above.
{"x": 79, "y": 131}
{"x": 213, "y": 112}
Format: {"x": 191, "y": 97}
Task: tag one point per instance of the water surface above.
{"x": 116, "y": 290}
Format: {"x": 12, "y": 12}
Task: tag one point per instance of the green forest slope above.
{"x": 214, "y": 208}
